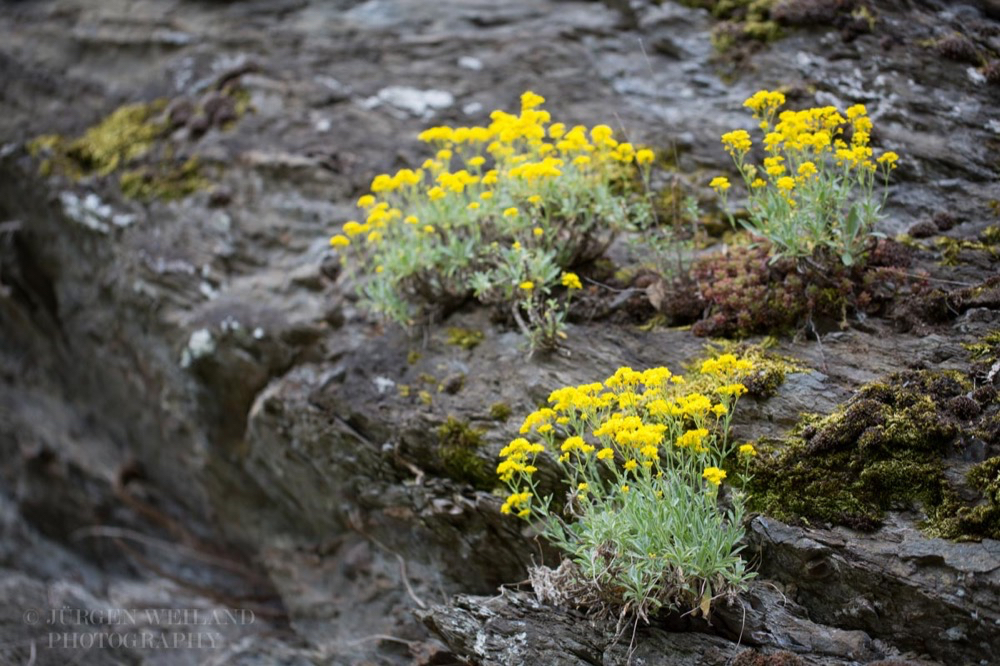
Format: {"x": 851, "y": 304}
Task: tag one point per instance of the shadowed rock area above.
{"x": 195, "y": 412}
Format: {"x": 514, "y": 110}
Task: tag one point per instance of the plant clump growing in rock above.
{"x": 746, "y": 291}
{"x": 499, "y": 212}
{"x": 641, "y": 455}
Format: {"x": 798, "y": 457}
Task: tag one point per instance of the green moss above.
{"x": 163, "y": 181}
{"x": 241, "y": 98}
{"x": 412, "y": 357}
{"x": 125, "y": 135}
{"x": 990, "y": 235}
{"x": 762, "y": 31}
{"x": 983, "y": 519}
{"x": 500, "y": 411}
{"x": 128, "y": 133}
{"x": 426, "y": 398}
{"x": 131, "y": 143}
{"x": 466, "y": 338}
{"x": 121, "y": 144}
{"x": 458, "y": 447}
{"x": 881, "y": 451}
{"x": 952, "y": 248}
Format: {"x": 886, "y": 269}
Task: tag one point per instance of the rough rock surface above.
{"x": 194, "y": 412}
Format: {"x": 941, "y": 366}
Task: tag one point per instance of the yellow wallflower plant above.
{"x": 818, "y": 195}
{"x": 518, "y": 200}
{"x": 642, "y": 456}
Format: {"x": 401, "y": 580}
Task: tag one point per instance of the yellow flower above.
{"x": 428, "y": 229}
{"x": 443, "y": 154}
{"x": 581, "y": 160}
{"x": 601, "y": 133}
{"x": 720, "y": 184}
{"x": 527, "y": 285}
{"x": 747, "y": 450}
{"x": 644, "y": 156}
{"x": 367, "y": 201}
{"x": 807, "y": 169}
{"x": 713, "y": 475}
{"x": 732, "y": 389}
{"x": 889, "y": 158}
{"x": 510, "y": 212}
{"x": 476, "y": 161}
{"x": 374, "y": 237}
{"x": 571, "y": 281}
{"x": 737, "y": 141}
{"x": 380, "y": 269}
{"x": 583, "y": 486}
{"x": 535, "y": 199}
{"x": 557, "y": 130}
{"x": 339, "y": 241}
{"x": 435, "y": 193}
{"x": 530, "y": 100}
{"x": 605, "y": 454}
{"x": 516, "y": 245}
{"x": 474, "y": 205}
{"x": 719, "y": 410}
{"x": 524, "y": 513}
{"x": 537, "y": 231}
{"x": 411, "y": 219}
{"x": 352, "y": 228}
{"x": 692, "y": 438}
{"x": 630, "y": 465}
{"x": 758, "y": 183}
{"x": 486, "y": 195}
{"x": 625, "y": 488}
{"x": 786, "y": 183}
{"x": 764, "y": 102}
{"x": 383, "y": 183}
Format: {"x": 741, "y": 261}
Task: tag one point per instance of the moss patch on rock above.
{"x": 136, "y": 144}
{"x": 888, "y": 448}
{"x": 125, "y": 135}
{"x": 458, "y": 450}
{"x": 466, "y": 338}
{"x": 165, "y": 181}
{"x": 500, "y": 411}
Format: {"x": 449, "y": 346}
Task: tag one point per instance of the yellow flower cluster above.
{"x": 519, "y": 458}
{"x": 520, "y": 501}
{"x": 714, "y": 475}
{"x": 635, "y": 422}
{"x": 805, "y": 141}
{"x": 726, "y": 365}
{"x": 693, "y": 439}
{"x": 642, "y": 457}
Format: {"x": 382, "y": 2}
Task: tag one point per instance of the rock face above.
{"x": 194, "y": 412}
